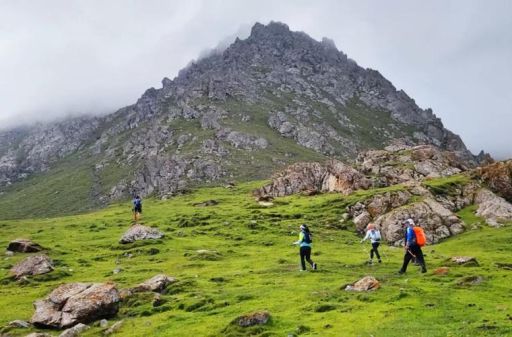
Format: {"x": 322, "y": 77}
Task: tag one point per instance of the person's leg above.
{"x": 419, "y": 257}
{"x": 308, "y": 256}
{"x": 302, "y": 256}
{"x": 371, "y": 253}
{"x": 375, "y": 247}
{"x": 407, "y": 258}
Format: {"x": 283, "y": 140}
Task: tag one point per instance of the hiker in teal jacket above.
{"x": 304, "y": 243}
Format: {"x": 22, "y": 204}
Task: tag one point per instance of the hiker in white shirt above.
{"x": 373, "y": 234}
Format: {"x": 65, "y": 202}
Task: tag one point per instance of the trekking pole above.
{"x": 411, "y": 253}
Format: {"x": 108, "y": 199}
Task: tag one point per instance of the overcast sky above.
{"x": 70, "y": 57}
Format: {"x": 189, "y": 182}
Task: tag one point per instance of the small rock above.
{"x": 9, "y": 253}
{"x": 157, "y": 283}
{"x": 114, "y": 328}
{"x": 103, "y": 324}
{"x": 158, "y": 300}
{"x": 39, "y": 334}
{"x": 206, "y": 203}
{"x": 74, "y": 331}
{"x": 367, "y": 283}
{"x": 18, "y": 324}
{"x": 441, "y": 271}
{"x": 32, "y": 265}
{"x": 465, "y": 260}
{"x": 140, "y": 232}
{"x": 24, "y": 246}
{"x": 470, "y": 281}
{"x": 116, "y": 271}
{"x": 254, "y": 318}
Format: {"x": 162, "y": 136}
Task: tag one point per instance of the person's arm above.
{"x": 366, "y": 237}
{"x": 301, "y": 238}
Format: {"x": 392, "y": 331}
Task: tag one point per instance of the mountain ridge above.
{"x": 265, "y": 102}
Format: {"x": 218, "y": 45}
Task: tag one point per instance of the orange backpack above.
{"x": 421, "y": 240}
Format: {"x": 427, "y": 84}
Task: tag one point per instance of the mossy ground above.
{"x": 256, "y": 268}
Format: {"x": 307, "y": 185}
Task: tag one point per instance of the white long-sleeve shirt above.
{"x": 373, "y": 235}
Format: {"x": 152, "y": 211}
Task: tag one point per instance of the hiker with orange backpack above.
{"x": 414, "y": 240}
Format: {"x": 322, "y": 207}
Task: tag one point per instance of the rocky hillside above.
{"x": 273, "y": 99}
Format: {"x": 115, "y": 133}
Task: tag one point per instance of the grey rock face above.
{"x": 74, "y": 303}
{"x": 24, "y": 246}
{"x": 140, "y": 232}
{"x": 32, "y": 265}
{"x": 494, "y": 209}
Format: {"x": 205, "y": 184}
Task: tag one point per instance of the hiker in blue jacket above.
{"x": 137, "y": 208}
{"x": 304, "y": 243}
{"x": 374, "y": 235}
{"x": 412, "y": 249}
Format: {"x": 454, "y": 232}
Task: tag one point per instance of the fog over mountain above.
{"x": 59, "y": 58}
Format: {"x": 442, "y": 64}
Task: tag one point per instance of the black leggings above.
{"x": 305, "y": 254}
{"x": 374, "y": 249}
{"x": 414, "y": 252}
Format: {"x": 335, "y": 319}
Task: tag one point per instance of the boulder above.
{"x": 312, "y": 178}
{"x": 470, "y": 281}
{"x": 24, "y": 246}
{"x": 74, "y": 331}
{"x": 464, "y": 260}
{"x": 140, "y": 232}
{"x": 367, "y": 283}
{"x": 74, "y": 303}
{"x": 498, "y": 177}
{"x": 157, "y": 283}
{"x": 437, "y": 221}
{"x": 494, "y": 209}
{"x": 254, "y": 318}
{"x": 362, "y": 220}
{"x": 32, "y": 265}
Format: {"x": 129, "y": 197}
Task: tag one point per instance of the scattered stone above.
{"x": 24, "y": 246}
{"x": 103, "y": 324}
{"x": 157, "y": 283}
{"x": 465, "y": 260}
{"x": 39, "y": 334}
{"x": 9, "y": 253}
{"x": 117, "y": 271}
{"x": 114, "y": 328}
{"x": 74, "y": 303}
{"x": 32, "y": 265}
{"x": 74, "y": 331}
{"x": 140, "y": 232}
{"x": 441, "y": 271}
{"x": 507, "y": 266}
{"x": 254, "y": 318}
{"x": 470, "y": 281}
{"x": 367, "y": 283}
{"x": 157, "y": 300}
{"x": 18, "y": 324}
{"x": 265, "y": 203}
{"x": 206, "y": 203}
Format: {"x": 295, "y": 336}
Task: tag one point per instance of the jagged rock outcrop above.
{"x": 498, "y": 177}
{"x": 140, "y": 232}
{"x": 32, "y": 265}
{"x": 74, "y": 303}
{"x": 332, "y": 177}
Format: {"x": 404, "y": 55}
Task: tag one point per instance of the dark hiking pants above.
{"x": 375, "y": 246}
{"x": 305, "y": 255}
{"x": 414, "y": 251}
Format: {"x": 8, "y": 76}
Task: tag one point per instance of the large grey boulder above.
{"x": 24, "y": 246}
{"x": 437, "y": 221}
{"x": 32, "y": 265}
{"x": 74, "y": 303}
{"x": 494, "y": 209}
{"x": 140, "y": 232}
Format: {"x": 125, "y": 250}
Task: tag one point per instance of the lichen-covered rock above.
{"x": 157, "y": 283}
{"x": 367, "y": 283}
{"x": 19, "y": 324}
{"x": 32, "y": 265}
{"x": 494, "y": 209}
{"x": 464, "y": 260}
{"x": 140, "y": 232}
{"x": 24, "y": 246}
{"x": 74, "y": 303}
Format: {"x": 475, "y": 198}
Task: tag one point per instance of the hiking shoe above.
{"x": 314, "y": 266}
{"x": 380, "y": 261}
{"x": 370, "y": 261}
{"x": 423, "y": 270}
{"x": 400, "y": 272}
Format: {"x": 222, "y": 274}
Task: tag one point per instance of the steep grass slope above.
{"x": 256, "y": 268}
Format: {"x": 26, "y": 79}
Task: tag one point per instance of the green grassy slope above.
{"x": 257, "y": 269}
